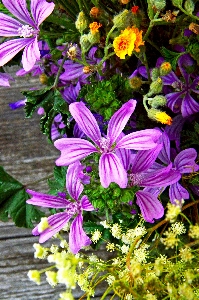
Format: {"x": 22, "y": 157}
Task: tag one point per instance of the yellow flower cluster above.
{"x": 128, "y": 41}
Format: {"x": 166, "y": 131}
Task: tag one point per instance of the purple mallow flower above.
{"x": 28, "y": 30}
{"x": 138, "y": 167}
{"x": 183, "y": 163}
{"x": 180, "y": 99}
{"x": 111, "y": 168}
{"x": 73, "y": 208}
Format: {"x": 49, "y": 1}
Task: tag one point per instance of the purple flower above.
{"x": 4, "y": 79}
{"x": 140, "y": 175}
{"x": 77, "y": 236}
{"x": 180, "y": 99}
{"x": 28, "y": 30}
{"x": 18, "y": 104}
{"x": 183, "y": 163}
{"x": 110, "y": 167}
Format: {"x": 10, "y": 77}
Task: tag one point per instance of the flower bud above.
{"x": 94, "y": 38}
{"x": 84, "y": 42}
{"x": 157, "y": 101}
{"x": 135, "y": 82}
{"x": 95, "y": 12}
{"x": 159, "y": 116}
{"x": 155, "y": 73}
{"x": 177, "y": 3}
{"x": 156, "y": 87}
{"x": 43, "y": 78}
{"x": 165, "y": 68}
{"x": 81, "y": 22}
{"x": 120, "y": 19}
{"x": 124, "y": 1}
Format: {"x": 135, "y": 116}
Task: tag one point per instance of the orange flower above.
{"x": 134, "y": 9}
{"x": 128, "y": 41}
{"x": 94, "y": 27}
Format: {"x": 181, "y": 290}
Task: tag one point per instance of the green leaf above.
{"x": 171, "y": 56}
{"x": 60, "y": 104}
{"x": 13, "y": 202}
{"x": 8, "y": 185}
{"x": 189, "y": 6}
{"x": 58, "y": 184}
{"x": 90, "y": 227}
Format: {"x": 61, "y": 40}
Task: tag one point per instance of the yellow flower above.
{"x": 94, "y": 27}
{"x": 128, "y": 41}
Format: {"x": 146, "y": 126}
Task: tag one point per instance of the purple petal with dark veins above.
{"x": 151, "y": 208}
{"x": 189, "y": 106}
{"x": 40, "y": 10}
{"x": 72, "y": 149}
{"x": 119, "y": 119}
{"x": 85, "y": 204}
{"x": 19, "y": 9}
{"x": 112, "y": 170}
{"x": 185, "y": 161}
{"x": 56, "y": 223}
{"x": 174, "y": 101}
{"x": 164, "y": 154}
{"x": 86, "y": 121}
{"x": 45, "y": 200}
{"x": 9, "y": 26}
{"x": 140, "y": 140}
{"x": 30, "y": 54}
{"x": 77, "y": 236}
{"x": 73, "y": 183}
{"x": 177, "y": 192}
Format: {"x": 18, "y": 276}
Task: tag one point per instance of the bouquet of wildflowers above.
{"x": 119, "y": 97}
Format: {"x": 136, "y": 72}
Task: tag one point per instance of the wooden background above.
{"x": 27, "y": 156}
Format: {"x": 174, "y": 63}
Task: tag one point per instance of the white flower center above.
{"x": 105, "y": 145}
{"x": 136, "y": 179}
{"x": 73, "y": 208}
{"x": 26, "y": 31}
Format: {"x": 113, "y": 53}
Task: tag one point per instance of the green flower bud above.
{"x": 94, "y": 38}
{"x": 155, "y": 74}
{"x": 189, "y": 6}
{"x": 84, "y": 42}
{"x": 177, "y": 3}
{"x": 157, "y": 101}
{"x": 81, "y": 22}
{"x": 165, "y": 68}
{"x": 120, "y": 19}
{"x": 156, "y": 87}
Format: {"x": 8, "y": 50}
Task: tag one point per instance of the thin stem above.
{"x": 60, "y": 69}
{"x": 183, "y": 215}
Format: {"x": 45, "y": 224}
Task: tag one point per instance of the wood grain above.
{"x": 27, "y": 156}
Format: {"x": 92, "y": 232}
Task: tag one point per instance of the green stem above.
{"x": 152, "y": 23}
{"x": 183, "y": 215}
{"x": 186, "y": 13}
{"x": 60, "y": 69}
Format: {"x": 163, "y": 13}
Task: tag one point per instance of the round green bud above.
{"x": 157, "y": 101}
{"x": 94, "y": 38}
{"x": 135, "y": 82}
{"x": 165, "y": 68}
{"x": 156, "y": 87}
{"x": 159, "y": 4}
{"x": 120, "y": 19}
{"x": 84, "y": 42}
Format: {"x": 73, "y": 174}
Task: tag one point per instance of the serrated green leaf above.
{"x": 90, "y": 227}
{"x": 46, "y": 122}
{"x": 8, "y": 185}
{"x": 13, "y": 202}
{"x": 171, "y": 56}
{"x": 60, "y": 105}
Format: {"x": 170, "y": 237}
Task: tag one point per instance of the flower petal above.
{"x": 9, "y": 26}
{"x": 19, "y": 9}
{"x": 73, "y": 183}
{"x": 177, "y": 192}
{"x": 86, "y": 121}
{"x": 185, "y": 161}
{"x": 45, "y": 200}
{"x": 86, "y": 205}
{"x": 164, "y": 154}
{"x": 119, "y": 119}
{"x": 73, "y": 149}
{"x": 77, "y": 235}
{"x": 4, "y": 79}
{"x": 189, "y": 106}
{"x": 112, "y": 170}
{"x": 10, "y": 48}
{"x": 174, "y": 101}
{"x": 125, "y": 157}
{"x": 151, "y": 208}
{"x": 144, "y": 159}
{"x": 56, "y": 223}
{"x": 140, "y": 140}
{"x": 40, "y": 10}
{"x": 30, "y": 54}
